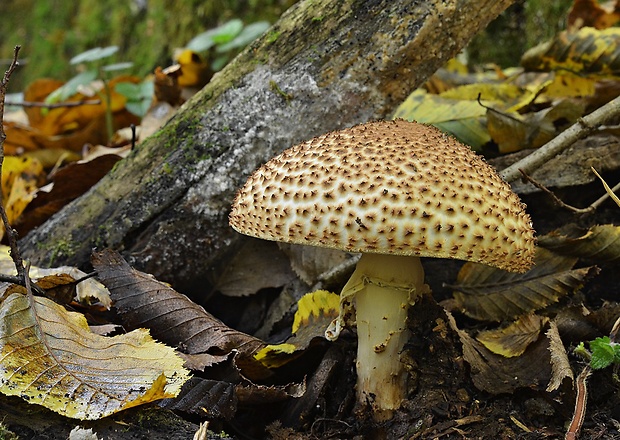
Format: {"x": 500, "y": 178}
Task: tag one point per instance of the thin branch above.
{"x": 593, "y": 206}
{"x": 30, "y": 104}
{"x": 10, "y": 232}
{"x": 580, "y": 129}
{"x": 555, "y": 198}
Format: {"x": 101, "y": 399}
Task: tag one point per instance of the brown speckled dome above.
{"x": 392, "y": 187}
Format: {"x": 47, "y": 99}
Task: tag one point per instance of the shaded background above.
{"x": 147, "y": 31}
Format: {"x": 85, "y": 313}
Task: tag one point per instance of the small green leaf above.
{"x": 70, "y": 87}
{"x": 247, "y": 35}
{"x": 94, "y": 54}
{"x": 117, "y": 66}
{"x": 603, "y": 353}
{"x": 219, "y": 35}
{"x": 139, "y": 96}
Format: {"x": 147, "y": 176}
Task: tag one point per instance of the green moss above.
{"x": 58, "y": 249}
{"x": 273, "y": 36}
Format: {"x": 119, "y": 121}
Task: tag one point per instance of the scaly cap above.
{"x": 392, "y": 187}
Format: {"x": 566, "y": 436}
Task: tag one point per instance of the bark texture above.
{"x": 324, "y": 66}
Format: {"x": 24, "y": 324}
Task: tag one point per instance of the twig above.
{"x": 593, "y": 206}
{"x": 555, "y": 198}
{"x": 29, "y": 104}
{"x": 580, "y": 129}
{"x": 10, "y": 232}
{"x": 580, "y": 404}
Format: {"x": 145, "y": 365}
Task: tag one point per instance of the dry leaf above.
{"x": 310, "y": 262}
{"x": 591, "y": 13}
{"x": 599, "y": 244}
{"x": 315, "y": 311}
{"x": 86, "y": 291}
{"x": 213, "y": 399}
{"x": 142, "y": 301}
{"x": 513, "y": 340}
{"x": 50, "y": 357}
{"x": 69, "y": 182}
{"x": 258, "y": 264}
{"x": 489, "y": 294}
{"x": 497, "y": 374}
{"x": 560, "y": 366}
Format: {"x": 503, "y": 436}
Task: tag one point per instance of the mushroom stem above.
{"x": 385, "y": 286}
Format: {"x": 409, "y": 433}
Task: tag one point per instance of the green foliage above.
{"x": 604, "y": 353}
{"x": 70, "y": 88}
{"x": 139, "y": 96}
{"x": 90, "y": 56}
{"x": 95, "y": 54}
{"x": 226, "y": 39}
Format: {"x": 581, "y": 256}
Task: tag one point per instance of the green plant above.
{"x": 138, "y": 95}
{"x": 226, "y": 39}
{"x": 603, "y": 352}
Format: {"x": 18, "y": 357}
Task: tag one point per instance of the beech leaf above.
{"x": 497, "y": 374}
{"x": 512, "y": 340}
{"x": 50, "y": 357}
{"x": 600, "y": 243}
{"x": 173, "y": 318}
{"x": 258, "y": 264}
{"x": 490, "y": 294}
{"x": 315, "y": 311}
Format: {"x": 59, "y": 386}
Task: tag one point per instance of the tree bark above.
{"x": 323, "y": 66}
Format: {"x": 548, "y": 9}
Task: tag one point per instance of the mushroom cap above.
{"x": 391, "y": 187}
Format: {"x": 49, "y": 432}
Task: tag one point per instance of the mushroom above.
{"x": 393, "y": 191}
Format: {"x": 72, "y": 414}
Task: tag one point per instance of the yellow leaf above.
{"x": 312, "y": 306}
{"x": 49, "y": 356}
{"x": 587, "y": 51}
{"x": 315, "y": 311}
{"x": 461, "y": 118}
{"x": 29, "y": 168}
{"x": 513, "y": 339}
{"x": 567, "y": 84}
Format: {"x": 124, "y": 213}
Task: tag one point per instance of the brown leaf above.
{"x": 497, "y": 374}
{"x": 69, "y": 183}
{"x": 513, "y": 340}
{"x": 599, "y": 244}
{"x": 258, "y": 264}
{"x": 310, "y": 262}
{"x": 211, "y": 398}
{"x": 142, "y": 301}
{"x": 489, "y": 294}
{"x": 591, "y": 13}
{"x": 560, "y": 366}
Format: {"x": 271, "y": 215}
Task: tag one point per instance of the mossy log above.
{"x": 323, "y": 66}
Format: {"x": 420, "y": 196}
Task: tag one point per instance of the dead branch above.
{"x": 11, "y": 233}
{"x": 580, "y": 129}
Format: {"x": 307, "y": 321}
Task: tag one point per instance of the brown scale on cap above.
{"x": 392, "y": 187}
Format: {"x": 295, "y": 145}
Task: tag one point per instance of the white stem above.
{"x": 386, "y": 285}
